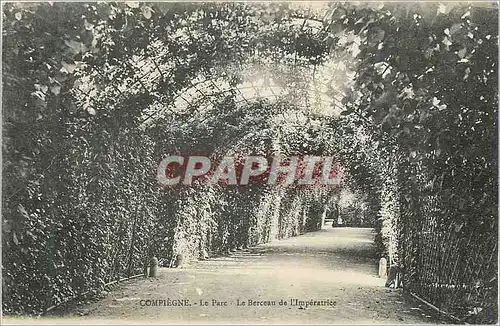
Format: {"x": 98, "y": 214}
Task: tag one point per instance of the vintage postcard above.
{"x": 249, "y": 162}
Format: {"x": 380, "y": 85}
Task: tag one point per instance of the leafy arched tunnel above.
{"x": 402, "y": 97}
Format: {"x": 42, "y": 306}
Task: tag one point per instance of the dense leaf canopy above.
{"x": 403, "y": 95}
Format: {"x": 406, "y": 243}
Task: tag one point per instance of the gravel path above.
{"x": 334, "y": 267}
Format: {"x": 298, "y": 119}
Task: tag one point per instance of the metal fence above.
{"x": 451, "y": 266}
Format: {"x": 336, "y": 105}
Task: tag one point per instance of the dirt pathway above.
{"x": 335, "y": 267}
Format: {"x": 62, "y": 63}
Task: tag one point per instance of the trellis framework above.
{"x": 166, "y": 79}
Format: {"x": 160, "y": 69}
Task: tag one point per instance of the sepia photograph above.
{"x": 249, "y": 162}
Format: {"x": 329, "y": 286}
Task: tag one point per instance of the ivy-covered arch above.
{"x": 94, "y": 94}
{"x": 111, "y": 67}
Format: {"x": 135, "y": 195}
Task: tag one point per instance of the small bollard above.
{"x": 153, "y": 267}
{"x": 382, "y": 268}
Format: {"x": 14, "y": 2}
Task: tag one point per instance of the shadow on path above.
{"x": 333, "y": 265}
